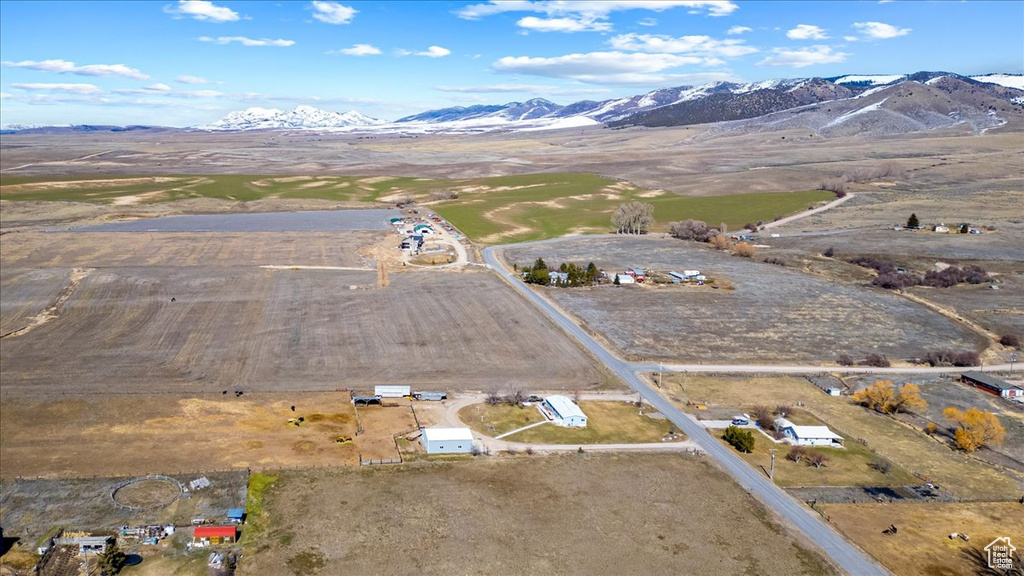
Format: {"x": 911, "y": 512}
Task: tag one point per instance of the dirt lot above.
{"x": 234, "y": 324}
{"x": 556, "y": 515}
{"x": 141, "y": 434}
{"x": 921, "y": 546}
{"x": 773, "y": 314}
{"x": 30, "y": 508}
{"x": 964, "y": 477}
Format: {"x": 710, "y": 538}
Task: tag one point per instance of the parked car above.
{"x": 740, "y": 422}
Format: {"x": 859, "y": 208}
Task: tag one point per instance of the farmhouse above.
{"x": 637, "y": 273}
{"x": 808, "y": 435}
{"x": 207, "y": 535}
{"x": 447, "y": 440}
{"x": 941, "y": 228}
{"x": 423, "y": 230}
{"x": 392, "y": 391}
{"x": 624, "y": 279}
{"x": 565, "y": 412}
{"x": 558, "y": 277}
{"x": 991, "y": 384}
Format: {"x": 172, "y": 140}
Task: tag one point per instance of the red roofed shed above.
{"x": 215, "y": 534}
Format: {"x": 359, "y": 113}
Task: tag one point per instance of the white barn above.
{"x": 565, "y": 412}
{"x": 392, "y": 391}
{"x": 808, "y": 435}
{"x": 447, "y": 440}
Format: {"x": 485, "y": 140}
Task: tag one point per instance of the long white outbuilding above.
{"x": 566, "y": 412}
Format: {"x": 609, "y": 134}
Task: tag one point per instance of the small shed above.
{"x": 565, "y": 412}
{"x": 422, "y": 230}
{"x": 236, "y": 515}
{"x": 637, "y": 273}
{"x": 392, "y": 391}
{"x": 808, "y": 435}
{"x": 214, "y": 535}
{"x": 447, "y": 440}
{"x": 86, "y": 544}
{"x": 366, "y": 400}
{"x": 991, "y": 384}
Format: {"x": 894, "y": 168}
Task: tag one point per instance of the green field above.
{"x": 607, "y": 423}
{"x": 495, "y": 210}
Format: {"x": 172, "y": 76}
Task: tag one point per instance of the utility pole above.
{"x": 1013, "y": 358}
{"x": 771, "y": 472}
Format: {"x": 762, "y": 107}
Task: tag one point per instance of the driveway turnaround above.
{"x": 845, "y": 555}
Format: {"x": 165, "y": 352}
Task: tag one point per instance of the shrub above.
{"x": 846, "y": 360}
{"x": 742, "y": 440}
{"x": 761, "y": 411}
{"x": 876, "y": 360}
{"x": 881, "y": 464}
{"x": 744, "y": 250}
{"x": 829, "y": 253}
{"x": 836, "y": 185}
{"x": 896, "y": 281}
{"x": 775, "y": 260}
{"x": 952, "y": 358}
{"x": 1012, "y": 340}
{"x": 719, "y": 242}
{"x": 443, "y": 194}
{"x": 797, "y": 453}
{"x": 783, "y": 410}
{"x": 750, "y": 227}
{"x": 817, "y": 459}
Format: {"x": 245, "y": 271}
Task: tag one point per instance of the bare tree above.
{"x": 516, "y": 393}
{"x": 404, "y": 198}
{"x": 493, "y": 394}
{"x": 576, "y": 395}
{"x": 633, "y": 218}
{"x": 443, "y": 194}
{"x": 697, "y": 230}
{"x": 817, "y": 459}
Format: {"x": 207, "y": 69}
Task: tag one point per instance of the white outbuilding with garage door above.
{"x": 447, "y": 440}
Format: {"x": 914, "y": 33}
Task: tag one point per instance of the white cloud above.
{"x": 202, "y": 10}
{"x": 592, "y": 9}
{"x": 563, "y": 24}
{"x": 357, "y": 50}
{"x": 165, "y": 90}
{"x": 739, "y": 30}
{"x": 66, "y": 67}
{"x": 247, "y": 41}
{"x": 704, "y": 46}
{"x": 332, "y": 12}
{"x": 880, "y": 30}
{"x": 802, "y": 57}
{"x": 647, "y": 22}
{"x": 435, "y": 52}
{"x": 72, "y": 88}
{"x": 186, "y": 79}
{"x": 850, "y": 38}
{"x": 4, "y": 95}
{"x": 807, "y": 32}
{"x": 598, "y": 67}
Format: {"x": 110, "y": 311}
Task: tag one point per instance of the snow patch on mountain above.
{"x": 302, "y": 117}
{"x": 1008, "y": 80}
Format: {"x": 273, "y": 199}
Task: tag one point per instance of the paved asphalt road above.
{"x": 844, "y": 554}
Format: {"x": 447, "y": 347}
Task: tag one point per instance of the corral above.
{"x": 147, "y": 313}
{"x": 527, "y": 515}
{"x": 771, "y": 314}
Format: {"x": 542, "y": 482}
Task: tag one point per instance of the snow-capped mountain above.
{"x": 299, "y": 118}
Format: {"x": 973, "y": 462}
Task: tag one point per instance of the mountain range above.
{"x": 841, "y": 104}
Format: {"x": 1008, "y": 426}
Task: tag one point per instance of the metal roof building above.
{"x": 392, "y": 391}
{"x": 991, "y": 384}
{"x": 447, "y": 440}
{"x": 566, "y": 412}
{"x": 808, "y": 435}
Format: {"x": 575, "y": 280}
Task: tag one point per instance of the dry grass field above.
{"x": 142, "y": 434}
{"x": 234, "y": 324}
{"x": 966, "y": 478}
{"x": 608, "y": 422}
{"x": 557, "y": 515}
{"x": 922, "y": 546}
{"x": 772, "y": 314}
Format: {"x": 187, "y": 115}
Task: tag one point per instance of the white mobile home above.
{"x": 447, "y": 440}
{"x": 808, "y": 435}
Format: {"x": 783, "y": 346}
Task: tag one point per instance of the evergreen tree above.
{"x": 913, "y": 222}
{"x": 592, "y": 273}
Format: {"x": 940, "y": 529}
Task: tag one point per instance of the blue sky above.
{"x": 180, "y": 63}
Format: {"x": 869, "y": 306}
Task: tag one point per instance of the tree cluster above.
{"x": 814, "y": 458}
{"x": 884, "y": 397}
{"x": 633, "y": 218}
{"x": 742, "y": 440}
{"x": 955, "y": 275}
{"x": 974, "y": 428}
{"x": 577, "y": 275}
{"x": 696, "y": 230}
{"x": 952, "y": 358}
{"x": 112, "y": 561}
{"x": 443, "y": 194}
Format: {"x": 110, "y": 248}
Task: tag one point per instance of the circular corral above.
{"x": 146, "y": 493}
